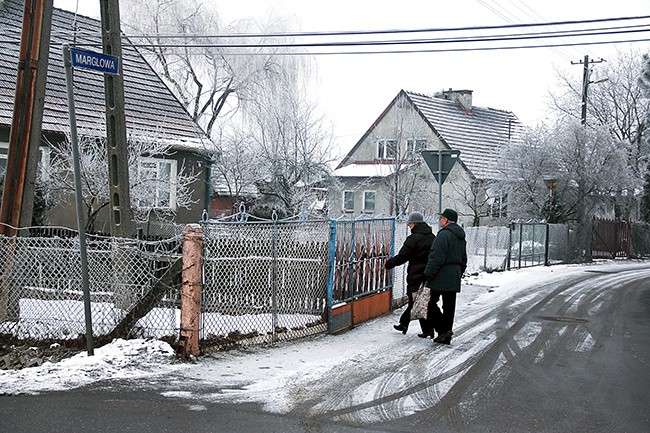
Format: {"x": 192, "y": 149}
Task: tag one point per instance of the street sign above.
{"x": 95, "y": 61}
{"x": 440, "y": 162}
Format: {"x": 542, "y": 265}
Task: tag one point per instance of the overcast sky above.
{"x": 354, "y": 89}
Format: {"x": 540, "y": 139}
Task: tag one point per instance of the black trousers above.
{"x": 441, "y": 320}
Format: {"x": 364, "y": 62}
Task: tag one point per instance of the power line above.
{"x": 434, "y": 41}
{"x": 375, "y": 32}
{"x": 424, "y": 51}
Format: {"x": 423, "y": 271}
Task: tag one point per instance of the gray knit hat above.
{"x": 415, "y": 217}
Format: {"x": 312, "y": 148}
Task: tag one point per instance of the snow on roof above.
{"x": 365, "y": 170}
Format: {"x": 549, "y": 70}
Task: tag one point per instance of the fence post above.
{"x": 188, "y": 343}
{"x": 331, "y": 274}
{"x": 546, "y": 261}
{"x": 509, "y": 254}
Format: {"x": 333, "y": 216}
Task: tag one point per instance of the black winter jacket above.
{"x": 415, "y": 251}
{"x": 447, "y": 260}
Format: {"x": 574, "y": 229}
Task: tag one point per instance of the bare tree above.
{"x": 291, "y": 144}
{"x": 234, "y": 165}
{"x": 182, "y": 43}
{"x": 149, "y": 191}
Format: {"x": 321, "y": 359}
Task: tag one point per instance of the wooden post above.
{"x": 188, "y": 343}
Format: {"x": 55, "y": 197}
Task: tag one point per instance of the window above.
{"x": 4, "y": 150}
{"x": 498, "y": 207}
{"x": 368, "y": 201}
{"x": 348, "y": 201}
{"x": 157, "y": 179}
{"x": 414, "y": 147}
{"x": 386, "y": 149}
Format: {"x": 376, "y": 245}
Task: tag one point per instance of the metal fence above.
{"x": 131, "y": 291}
{"x": 264, "y": 281}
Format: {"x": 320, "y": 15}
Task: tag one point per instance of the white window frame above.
{"x": 414, "y": 146}
{"x": 383, "y": 146}
{"x": 3, "y": 155}
{"x": 348, "y": 209}
{"x": 158, "y": 190}
{"x": 365, "y": 201}
{"x": 44, "y": 154}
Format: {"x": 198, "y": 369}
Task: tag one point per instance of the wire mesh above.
{"x": 264, "y": 281}
{"x": 487, "y": 248}
{"x": 41, "y": 290}
{"x": 527, "y": 244}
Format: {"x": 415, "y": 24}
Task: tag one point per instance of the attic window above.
{"x": 386, "y": 149}
{"x": 414, "y": 147}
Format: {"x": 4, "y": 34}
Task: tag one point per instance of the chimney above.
{"x": 462, "y": 97}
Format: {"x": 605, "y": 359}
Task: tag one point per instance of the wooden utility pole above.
{"x": 121, "y": 215}
{"x": 25, "y": 136}
{"x": 585, "y": 84}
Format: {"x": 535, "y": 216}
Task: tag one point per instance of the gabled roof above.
{"x": 479, "y": 134}
{"x": 150, "y": 107}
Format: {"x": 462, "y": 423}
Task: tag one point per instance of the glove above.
{"x": 390, "y": 263}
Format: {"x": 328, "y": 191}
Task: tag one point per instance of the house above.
{"x": 152, "y": 111}
{"x": 384, "y": 173}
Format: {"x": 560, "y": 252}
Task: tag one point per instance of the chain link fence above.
{"x": 133, "y": 287}
{"x": 264, "y": 281}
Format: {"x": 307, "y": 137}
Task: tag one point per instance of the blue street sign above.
{"x": 96, "y": 61}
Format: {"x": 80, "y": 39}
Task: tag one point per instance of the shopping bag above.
{"x": 421, "y": 303}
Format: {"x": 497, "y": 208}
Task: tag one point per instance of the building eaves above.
{"x": 150, "y": 107}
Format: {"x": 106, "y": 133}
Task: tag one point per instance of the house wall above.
{"x": 402, "y": 123}
{"x": 64, "y": 214}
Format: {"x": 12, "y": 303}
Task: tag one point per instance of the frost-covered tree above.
{"x": 185, "y": 44}
{"x": 148, "y": 190}
{"x": 235, "y": 163}
{"x": 528, "y": 176}
{"x": 563, "y": 172}
{"x": 291, "y": 145}
{"x": 251, "y": 100}
{"x": 644, "y": 82}
{"x": 615, "y": 101}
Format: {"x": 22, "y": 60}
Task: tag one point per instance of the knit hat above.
{"x": 415, "y": 217}
{"x": 450, "y": 214}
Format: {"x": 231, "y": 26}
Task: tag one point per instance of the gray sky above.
{"x": 353, "y": 90}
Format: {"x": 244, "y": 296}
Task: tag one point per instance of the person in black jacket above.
{"x": 445, "y": 267}
{"x": 415, "y": 251}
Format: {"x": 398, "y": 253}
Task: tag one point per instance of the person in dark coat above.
{"x": 445, "y": 267}
{"x": 415, "y": 251}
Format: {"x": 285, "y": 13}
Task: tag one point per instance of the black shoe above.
{"x": 401, "y": 328}
{"x": 444, "y": 338}
{"x": 427, "y": 334}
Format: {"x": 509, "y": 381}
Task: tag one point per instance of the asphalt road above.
{"x": 574, "y": 359}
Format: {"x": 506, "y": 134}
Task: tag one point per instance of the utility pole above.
{"x": 122, "y": 224}
{"x": 25, "y": 136}
{"x": 585, "y": 84}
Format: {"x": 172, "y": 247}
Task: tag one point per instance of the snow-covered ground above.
{"x": 271, "y": 375}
